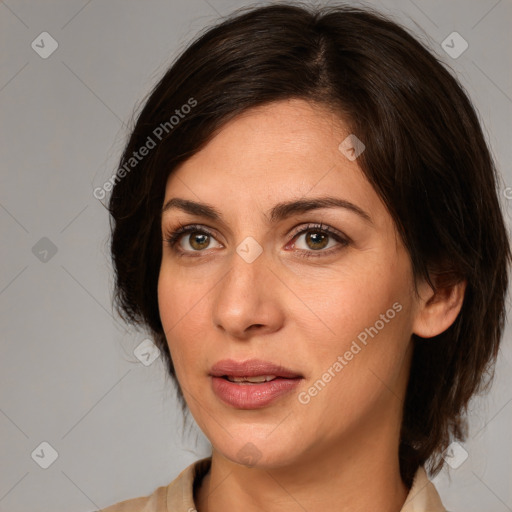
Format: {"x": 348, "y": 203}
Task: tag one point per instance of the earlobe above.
{"x": 437, "y": 311}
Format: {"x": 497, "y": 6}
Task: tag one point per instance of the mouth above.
{"x": 251, "y": 380}
{"x": 253, "y": 370}
{"x": 252, "y": 384}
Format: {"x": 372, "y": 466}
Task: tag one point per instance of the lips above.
{"x": 230, "y": 368}
{"x": 252, "y": 384}
{"x": 252, "y": 380}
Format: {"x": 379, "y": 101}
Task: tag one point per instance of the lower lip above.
{"x": 252, "y": 396}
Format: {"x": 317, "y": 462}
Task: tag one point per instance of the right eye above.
{"x": 197, "y": 239}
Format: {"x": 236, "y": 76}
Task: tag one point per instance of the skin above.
{"x": 340, "y": 450}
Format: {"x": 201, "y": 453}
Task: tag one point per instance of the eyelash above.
{"x": 172, "y": 238}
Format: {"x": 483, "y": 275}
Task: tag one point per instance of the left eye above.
{"x": 315, "y": 239}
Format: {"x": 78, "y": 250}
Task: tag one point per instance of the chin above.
{"x": 259, "y": 453}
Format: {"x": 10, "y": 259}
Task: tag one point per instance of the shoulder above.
{"x": 156, "y": 502}
{"x": 423, "y": 496}
{"x": 175, "y": 497}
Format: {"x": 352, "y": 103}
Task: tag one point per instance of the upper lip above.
{"x": 250, "y": 368}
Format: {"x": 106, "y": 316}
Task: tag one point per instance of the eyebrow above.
{"x": 277, "y": 213}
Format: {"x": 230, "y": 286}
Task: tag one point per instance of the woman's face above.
{"x": 337, "y": 309}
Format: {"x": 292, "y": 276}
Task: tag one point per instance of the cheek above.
{"x": 363, "y": 315}
{"x": 361, "y": 374}
{"x": 182, "y": 307}
{"x": 345, "y": 302}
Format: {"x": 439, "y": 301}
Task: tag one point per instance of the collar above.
{"x": 422, "y": 497}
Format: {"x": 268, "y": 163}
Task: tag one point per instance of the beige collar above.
{"x": 422, "y": 497}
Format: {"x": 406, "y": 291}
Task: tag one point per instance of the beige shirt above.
{"x": 178, "y": 496}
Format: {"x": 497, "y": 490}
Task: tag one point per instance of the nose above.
{"x": 248, "y": 299}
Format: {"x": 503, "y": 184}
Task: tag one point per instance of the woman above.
{"x": 306, "y": 219}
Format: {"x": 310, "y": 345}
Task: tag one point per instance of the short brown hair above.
{"x": 425, "y": 156}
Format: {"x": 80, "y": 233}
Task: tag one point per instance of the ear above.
{"x": 437, "y": 311}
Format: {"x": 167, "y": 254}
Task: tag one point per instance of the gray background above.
{"x": 67, "y": 369}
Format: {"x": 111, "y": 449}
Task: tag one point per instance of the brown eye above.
{"x": 314, "y": 239}
{"x": 196, "y": 237}
{"x": 317, "y": 240}
{"x": 199, "y": 240}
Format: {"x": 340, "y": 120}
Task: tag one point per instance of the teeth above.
{"x": 258, "y": 379}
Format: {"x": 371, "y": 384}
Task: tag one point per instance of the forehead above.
{"x": 291, "y": 130}
{"x": 280, "y": 151}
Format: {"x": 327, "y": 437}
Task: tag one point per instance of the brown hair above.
{"x": 425, "y": 156}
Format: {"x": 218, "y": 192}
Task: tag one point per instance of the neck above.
{"x": 362, "y": 474}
